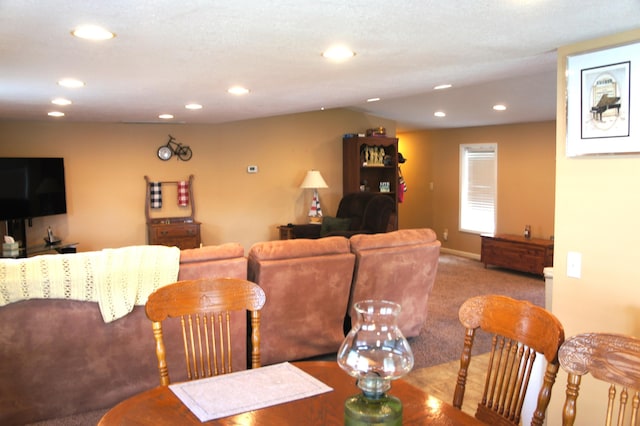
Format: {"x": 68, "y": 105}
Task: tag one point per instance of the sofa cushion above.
{"x": 369, "y": 211}
{"x": 399, "y": 266}
{"x": 307, "y": 286}
{"x": 331, "y": 224}
{"x": 77, "y": 363}
{"x": 376, "y": 215}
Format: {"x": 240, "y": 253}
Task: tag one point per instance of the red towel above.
{"x": 183, "y": 193}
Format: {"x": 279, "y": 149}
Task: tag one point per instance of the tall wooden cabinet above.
{"x": 371, "y": 164}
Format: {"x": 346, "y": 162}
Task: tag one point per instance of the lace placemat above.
{"x": 235, "y": 393}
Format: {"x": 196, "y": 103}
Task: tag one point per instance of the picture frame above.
{"x": 602, "y": 109}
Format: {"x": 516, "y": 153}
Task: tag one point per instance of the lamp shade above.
{"x": 314, "y": 180}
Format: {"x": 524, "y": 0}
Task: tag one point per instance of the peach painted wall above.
{"x": 106, "y": 164}
{"x": 597, "y": 205}
{"x": 526, "y": 180}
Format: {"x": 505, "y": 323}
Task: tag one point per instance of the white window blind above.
{"x": 478, "y": 187}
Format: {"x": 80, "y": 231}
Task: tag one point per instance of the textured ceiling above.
{"x": 169, "y": 53}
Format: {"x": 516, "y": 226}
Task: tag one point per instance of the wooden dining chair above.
{"x": 203, "y": 307}
{"x": 520, "y": 330}
{"x": 612, "y": 358}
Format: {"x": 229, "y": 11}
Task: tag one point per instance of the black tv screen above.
{"x": 31, "y": 187}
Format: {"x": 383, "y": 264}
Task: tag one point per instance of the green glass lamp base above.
{"x": 380, "y": 410}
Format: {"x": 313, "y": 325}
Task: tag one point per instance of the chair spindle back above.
{"x": 612, "y": 358}
{"x": 204, "y": 308}
{"x": 520, "y": 330}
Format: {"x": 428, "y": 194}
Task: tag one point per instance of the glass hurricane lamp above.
{"x": 375, "y": 352}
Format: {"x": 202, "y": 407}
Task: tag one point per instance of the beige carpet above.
{"x": 437, "y": 349}
{"x": 458, "y": 279}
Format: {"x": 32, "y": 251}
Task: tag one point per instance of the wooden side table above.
{"x": 286, "y": 232}
{"x": 529, "y": 255}
{"x": 307, "y": 230}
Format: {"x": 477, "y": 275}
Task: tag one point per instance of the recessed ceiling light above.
{"x": 238, "y": 90}
{"x": 165, "y": 116}
{"x": 442, "y": 86}
{"x": 439, "y": 114}
{"x": 92, "y": 32}
{"x": 70, "y": 83}
{"x": 499, "y": 107}
{"x": 373, "y": 99}
{"x": 193, "y": 106}
{"x": 55, "y": 114}
{"x": 338, "y": 53}
{"x": 61, "y": 101}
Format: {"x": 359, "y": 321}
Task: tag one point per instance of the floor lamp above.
{"x": 313, "y": 180}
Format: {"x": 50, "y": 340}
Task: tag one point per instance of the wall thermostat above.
{"x": 252, "y": 169}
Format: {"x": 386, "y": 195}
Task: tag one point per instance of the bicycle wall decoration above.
{"x": 173, "y": 147}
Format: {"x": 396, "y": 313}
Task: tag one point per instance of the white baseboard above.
{"x": 467, "y": 254}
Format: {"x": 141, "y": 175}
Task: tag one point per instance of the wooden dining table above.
{"x": 160, "y": 406}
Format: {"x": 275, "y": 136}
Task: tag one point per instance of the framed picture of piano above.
{"x": 603, "y": 113}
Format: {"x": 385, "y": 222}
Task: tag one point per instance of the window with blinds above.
{"x": 478, "y": 187}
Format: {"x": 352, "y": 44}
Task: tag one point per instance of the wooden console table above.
{"x": 529, "y": 255}
{"x": 59, "y": 247}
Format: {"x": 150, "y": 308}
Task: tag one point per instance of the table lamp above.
{"x": 375, "y": 352}
{"x": 313, "y": 180}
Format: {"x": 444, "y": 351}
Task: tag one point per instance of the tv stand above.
{"x": 59, "y": 247}
{"x": 17, "y": 228}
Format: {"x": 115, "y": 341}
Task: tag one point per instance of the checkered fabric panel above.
{"x": 183, "y": 193}
{"x": 155, "y": 191}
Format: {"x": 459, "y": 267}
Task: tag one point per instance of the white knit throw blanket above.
{"x": 118, "y": 279}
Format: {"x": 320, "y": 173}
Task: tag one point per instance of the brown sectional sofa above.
{"x": 59, "y": 358}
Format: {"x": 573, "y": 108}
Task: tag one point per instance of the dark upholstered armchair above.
{"x": 358, "y": 213}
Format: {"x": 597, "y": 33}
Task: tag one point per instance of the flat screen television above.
{"x": 31, "y": 187}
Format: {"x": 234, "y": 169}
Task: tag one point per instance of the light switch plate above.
{"x": 252, "y": 169}
{"x": 574, "y": 264}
